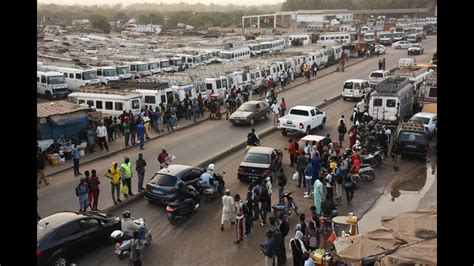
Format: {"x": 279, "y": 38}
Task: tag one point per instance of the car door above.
{"x": 67, "y": 237}
{"x": 279, "y": 156}
{"x": 319, "y": 116}
{"x": 90, "y": 232}
{"x": 313, "y": 119}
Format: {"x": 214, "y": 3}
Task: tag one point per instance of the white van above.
{"x": 123, "y": 72}
{"x": 77, "y": 78}
{"x": 407, "y": 62}
{"x": 107, "y": 74}
{"x": 111, "y": 102}
{"x": 377, "y": 76}
{"x": 51, "y": 84}
{"x": 355, "y": 89}
{"x": 155, "y": 97}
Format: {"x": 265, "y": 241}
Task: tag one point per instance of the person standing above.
{"x": 162, "y": 158}
{"x": 75, "y": 157}
{"x": 256, "y": 192}
{"x": 40, "y": 163}
{"x": 278, "y": 238}
{"x": 94, "y": 188}
{"x": 90, "y": 139}
{"x": 239, "y": 219}
{"x": 330, "y": 182}
{"x": 276, "y": 111}
{"x": 140, "y": 167}
{"x": 156, "y": 120}
{"x": 284, "y": 229}
{"x": 269, "y": 186}
{"x": 248, "y": 213}
{"x": 343, "y": 60}
{"x": 292, "y": 151}
{"x": 115, "y": 175}
{"x": 312, "y": 236}
{"x": 282, "y": 107}
{"x": 227, "y": 208}
{"x": 126, "y": 170}
{"x": 301, "y": 162}
{"x": 269, "y": 248}
{"x": 297, "y": 248}
{"x": 383, "y": 63}
{"x": 383, "y": 141}
{"x": 82, "y": 191}
{"x": 316, "y": 167}
{"x": 135, "y": 250}
{"x": 126, "y": 132}
{"x": 282, "y": 179}
{"x": 110, "y": 129}
{"x": 349, "y": 187}
{"x": 101, "y": 132}
{"x": 380, "y": 64}
{"x": 264, "y": 206}
{"x": 353, "y": 136}
{"x": 339, "y": 175}
{"x": 89, "y": 196}
{"x": 342, "y": 130}
{"x": 318, "y": 195}
{"x": 308, "y": 175}
{"x": 195, "y": 108}
{"x": 141, "y": 134}
{"x": 200, "y": 102}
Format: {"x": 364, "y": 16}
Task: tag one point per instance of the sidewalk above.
{"x": 118, "y": 145}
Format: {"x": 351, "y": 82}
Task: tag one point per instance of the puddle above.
{"x": 401, "y": 195}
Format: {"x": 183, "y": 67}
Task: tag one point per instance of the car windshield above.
{"x": 257, "y": 158}
{"x": 376, "y": 75}
{"x": 423, "y": 120}
{"x": 164, "y": 180}
{"x": 56, "y": 80}
{"x": 246, "y": 107}
{"x": 411, "y": 136}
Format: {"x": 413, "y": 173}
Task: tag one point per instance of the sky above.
{"x": 127, "y": 2}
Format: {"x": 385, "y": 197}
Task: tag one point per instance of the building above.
{"x": 60, "y": 118}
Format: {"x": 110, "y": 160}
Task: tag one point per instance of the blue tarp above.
{"x": 69, "y": 127}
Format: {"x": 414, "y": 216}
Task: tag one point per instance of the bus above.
{"x": 305, "y": 38}
{"x": 77, "y": 78}
{"x": 235, "y": 54}
{"x": 272, "y": 46}
{"x": 109, "y": 102}
{"x": 123, "y": 71}
{"x": 154, "y": 66}
{"x": 332, "y": 37}
{"x": 51, "y": 84}
{"x": 190, "y": 61}
{"x": 385, "y": 38}
{"x": 107, "y": 74}
{"x": 140, "y": 69}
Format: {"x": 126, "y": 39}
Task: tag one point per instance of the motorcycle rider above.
{"x": 162, "y": 158}
{"x": 129, "y": 226}
{"x": 252, "y": 139}
{"x": 183, "y": 195}
{"x": 209, "y": 178}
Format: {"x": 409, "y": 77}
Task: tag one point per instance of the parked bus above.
{"x": 140, "y": 69}
{"x": 107, "y": 74}
{"x": 77, "y": 78}
{"x": 123, "y": 72}
{"x": 51, "y": 84}
{"x": 332, "y": 37}
{"x": 235, "y": 54}
{"x": 109, "y": 102}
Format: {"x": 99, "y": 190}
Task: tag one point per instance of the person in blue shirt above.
{"x": 75, "y": 157}
{"x": 141, "y": 134}
{"x": 269, "y": 248}
{"x": 316, "y": 167}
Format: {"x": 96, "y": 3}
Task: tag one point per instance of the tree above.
{"x": 100, "y": 23}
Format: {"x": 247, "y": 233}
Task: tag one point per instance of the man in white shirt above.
{"x": 276, "y": 111}
{"x": 228, "y": 206}
{"x": 388, "y": 132}
{"x": 101, "y": 132}
{"x": 361, "y": 106}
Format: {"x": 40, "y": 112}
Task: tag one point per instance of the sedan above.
{"x": 402, "y": 45}
{"x": 429, "y": 121}
{"x": 260, "y": 162}
{"x": 416, "y": 48}
{"x": 162, "y": 186}
{"x": 64, "y": 234}
{"x": 250, "y": 111}
{"x": 379, "y": 49}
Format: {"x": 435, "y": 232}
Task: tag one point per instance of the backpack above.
{"x": 264, "y": 194}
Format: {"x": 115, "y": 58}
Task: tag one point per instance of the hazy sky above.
{"x": 127, "y": 2}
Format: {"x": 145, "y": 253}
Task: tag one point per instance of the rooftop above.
{"x": 47, "y": 109}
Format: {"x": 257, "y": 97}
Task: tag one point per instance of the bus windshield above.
{"x": 143, "y": 67}
{"x": 87, "y": 75}
{"x": 164, "y": 64}
{"x": 123, "y": 70}
{"x": 56, "y": 80}
{"x": 225, "y": 56}
{"x": 110, "y": 72}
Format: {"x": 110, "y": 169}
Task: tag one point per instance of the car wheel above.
{"x": 323, "y": 124}
{"x": 60, "y": 260}
{"x": 284, "y": 133}
{"x": 344, "y": 98}
{"x": 252, "y": 121}
{"x": 398, "y": 47}
{"x": 267, "y": 115}
{"x": 308, "y": 131}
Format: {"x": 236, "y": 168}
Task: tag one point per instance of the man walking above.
{"x": 75, "y": 156}
{"x": 114, "y": 174}
{"x": 127, "y": 175}
{"x": 276, "y": 112}
{"x": 318, "y": 195}
{"x": 282, "y": 107}
{"x": 126, "y": 132}
{"x": 264, "y": 199}
{"x": 94, "y": 188}
{"x": 248, "y": 213}
{"x": 141, "y": 163}
{"x": 101, "y": 132}
{"x": 284, "y": 229}
{"x": 278, "y": 237}
{"x": 40, "y": 168}
{"x": 300, "y": 166}
{"x": 239, "y": 219}
{"x": 342, "y": 130}
{"x": 227, "y": 208}
{"x": 141, "y": 134}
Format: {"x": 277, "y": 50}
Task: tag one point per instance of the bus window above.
{"x": 80, "y": 101}
{"x": 71, "y": 75}
{"x": 43, "y": 79}
{"x": 377, "y": 102}
{"x": 78, "y": 76}
{"x": 135, "y": 104}
{"x": 118, "y": 106}
{"x": 65, "y": 75}
{"x": 109, "y": 106}
{"x": 132, "y": 68}
{"x": 163, "y": 98}
{"x": 390, "y": 103}
{"x": 98, "y": 104}
{"x": 37, "y": 79}
{"x": 99, "y": 72}
{"x": 150, "y": 99}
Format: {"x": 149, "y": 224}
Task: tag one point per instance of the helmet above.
{"x": 126, "y": 214}
{"x": 163, "y": 149}
{"x": 210, "y": 167}
{"x": 180, "y": 184}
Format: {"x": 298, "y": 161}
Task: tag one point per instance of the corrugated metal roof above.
{"x": 57, "y": 108}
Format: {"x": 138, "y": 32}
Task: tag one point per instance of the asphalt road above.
{"x": 198, "y": 240}
{"x": 196, "y": 144}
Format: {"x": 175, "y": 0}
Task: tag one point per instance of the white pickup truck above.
{"x": 302, "y": 119}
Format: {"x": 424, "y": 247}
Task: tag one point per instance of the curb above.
{"x": 204, "y": 163}
{"x": 205, "y": 119}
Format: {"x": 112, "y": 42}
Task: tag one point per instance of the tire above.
{"x": 149, "y": 239}
{"x": 60, "y": 260}
{"x": 122, "y": 256}
{"x": 378, "y": 161}
{"x": 48, "y": 95}
{"x": 370, "y": 177}
{"x": 323, "y": 124}
{"x": 252, "y": 121}
{"x": 344, "y": 98}
{"x": 284, "y": 133}
{"x": 267, "y": 115}
{"x": 308, "y": 131}
{"x": 398, "y": 47}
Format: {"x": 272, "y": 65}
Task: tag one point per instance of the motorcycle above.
{"x": 282, "y": 208}
{"x": 180, "y": 209}
{"x": 367, "y": 173}
{"x": 123, "y": 241}
{"x": 211, "y": 192}
{"x": 375, "y": 159}
{"x": 168, "y": 160}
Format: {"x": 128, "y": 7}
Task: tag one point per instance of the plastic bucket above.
{"x": 82, "y": 152}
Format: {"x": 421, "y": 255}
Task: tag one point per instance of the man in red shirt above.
{"x": 292, "y": 150}
{"x": 162, "y": 158}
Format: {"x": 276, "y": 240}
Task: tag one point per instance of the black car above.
{"x": 250, "y": 111}
{"x": 162, "y": 186}
{"x": 64, "y": 234}
{"x": 260, "y": 162}
{"x": 411, "y": 138}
